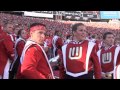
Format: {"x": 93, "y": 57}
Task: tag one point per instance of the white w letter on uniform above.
{"x": 77, "y": 54}
{"x": 107, "y": 57}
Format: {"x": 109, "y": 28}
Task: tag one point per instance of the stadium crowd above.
{"x": 63, "y": 26}
{"x": 62, "y": 29}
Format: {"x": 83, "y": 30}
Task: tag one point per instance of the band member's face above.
{"x": 9, "y": 28}
{"x": 38, "y": 36}
{"x": 80, "y": 33}
{"x": 51, "y": 34}
{"x": 109, "y": 39}
{"x": 59, "y": 33}
{"x": 16, "y": 30}
{"x": 24, "y": 34}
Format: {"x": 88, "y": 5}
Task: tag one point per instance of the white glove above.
{"x": 55, "y": 59}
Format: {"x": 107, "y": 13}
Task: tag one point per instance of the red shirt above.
{"x": 107, "y": 60}
{"x": 59, "y": 43}
{"x": 6, "y": 51}
{"x": 76, "y": 59}
{"x": 34, "y": 65}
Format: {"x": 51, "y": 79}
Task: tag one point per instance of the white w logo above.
{"x": 107, "y": 57}
{"x": 77, "y": 54}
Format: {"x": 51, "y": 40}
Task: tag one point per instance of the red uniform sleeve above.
{"x": 96, "y": 63}
{"x": 20, "y": 47}
{"x": 9, "y": 46}
{"x": 61, "y": 66}
{"x": 29, "y": 65}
